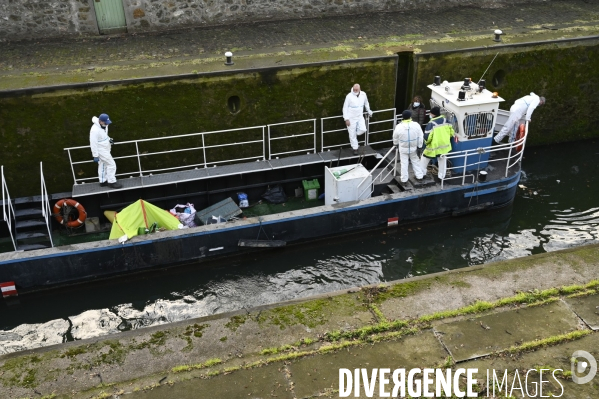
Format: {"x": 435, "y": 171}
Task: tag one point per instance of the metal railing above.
{"x": 46, "y": 212}
{"x": 375, "y": 178}
{"x": 290, "y": 137}
{"x": 323, "y": 132}
{"x": 205, "y": 162}
{"x": 515, "y": 153}
{"x": 8, "y": 212}
{"x": 364, "y": 139}
{"x": 371, "y": 133}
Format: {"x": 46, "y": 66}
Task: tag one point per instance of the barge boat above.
{"x": 360, "y": 191}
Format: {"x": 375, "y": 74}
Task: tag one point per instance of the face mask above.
{"x": 416, "y": 104}
{"x": 356, "y": 94}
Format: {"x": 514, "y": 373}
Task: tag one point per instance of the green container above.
{"x": 311, "y": 189}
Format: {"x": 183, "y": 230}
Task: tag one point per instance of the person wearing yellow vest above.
{"x": 437, "y": 135}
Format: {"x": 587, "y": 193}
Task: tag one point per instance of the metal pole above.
{"x": 3, "y": 204}
{"x": 464, "y": 172}
{"x": 314, "y": 126}
{"x": 269, "y": 150}
{"x": 72, "y": 169}
{"x": 321, "y": 135}
{"x": 138, "y": 159}
{"x": 263, "y": 145}
{"x": 395, "y": 166}
{"x": 204, "y": 151}
{"x": 367, "y": 130}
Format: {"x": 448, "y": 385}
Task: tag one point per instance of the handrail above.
{"x": 7, "y": 204}
{"x": 367, "y": 135}
{"x": 323, "y": 132}
{"x": 205, "y": 162}
{"x": 514, "y": 156}
{"x": 370, "y": 133}
{"x": 312, "y": 133}
{"x": 46, "y": 205}
{"x": 394, "y": 160}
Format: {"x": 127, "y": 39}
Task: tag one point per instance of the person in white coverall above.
{"x": 522, "y": 109}
{"x": 408, "y": 137}
{"x": 353, "y": 114}
{"x": 100, "y": 144}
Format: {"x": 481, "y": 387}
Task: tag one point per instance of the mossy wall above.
{"x": 37, "y": 127}
{"x": 565, "y": 73}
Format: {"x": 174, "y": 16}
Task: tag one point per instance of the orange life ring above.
{"x": 520, "y": 135}
{"x": 70, "y": 223}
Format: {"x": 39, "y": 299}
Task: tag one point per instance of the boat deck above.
{"x": 136, "y": 182}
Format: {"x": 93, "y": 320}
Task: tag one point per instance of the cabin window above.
{"x": 449, "y": 115}
{"x": 234, "y": 104}
{"x": 478, "y": 124}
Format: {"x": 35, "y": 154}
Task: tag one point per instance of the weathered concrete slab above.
{"x": 587, "y": 308}
{"x": 490, "y": 282}
{"x": 318, "y": 374}
{"x": 144, "y": 359}
{"x": 554, "y": 357}
{"x": 479, "y": 336}
{"x": 264, "y": 382}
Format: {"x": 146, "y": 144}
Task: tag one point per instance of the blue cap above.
{"x": 104, "y": 118}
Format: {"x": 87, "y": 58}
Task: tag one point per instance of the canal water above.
{"x": 556, "y": 207}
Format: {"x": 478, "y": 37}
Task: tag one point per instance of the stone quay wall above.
{"x": 27, "y": 19}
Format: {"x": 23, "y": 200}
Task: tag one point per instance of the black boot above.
{"x": 115, "y": 185}
{"x": 104, "y": 184}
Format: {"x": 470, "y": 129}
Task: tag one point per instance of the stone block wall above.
{"x": 53, "y": 18}
{"x": 43, "y": 18}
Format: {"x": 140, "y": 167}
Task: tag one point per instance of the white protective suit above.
{"x": 408, "y": 136}
{"x": 353, "y": 111}
{"x": 100, "y": 146}
{"x": 522, "y": 109}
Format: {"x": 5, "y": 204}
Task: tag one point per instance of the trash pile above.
{"x": 141, "y": 217}
{"x": 185, "y": 214}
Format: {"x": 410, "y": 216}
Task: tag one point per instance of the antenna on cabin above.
{"x": 481, "y": 78}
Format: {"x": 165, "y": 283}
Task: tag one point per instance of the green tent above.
{"x": 141, "y": 214}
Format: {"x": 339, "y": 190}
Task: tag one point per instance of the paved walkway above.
{"x": 52, "y": 55}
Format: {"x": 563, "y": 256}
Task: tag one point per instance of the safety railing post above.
{"x": 509, "y": 158}
{"x": 204, "y": 151}
{"x": 321, "y": 135}
{"x": 45, "y": 205}
{"x": 395, "y": 166}
{"x": 367, "y": 130}
{"x": 263, "y": 143}
{"x": 465, "y": 164}
{"x": 314, "y": 124}
{"x": 138, "y": 159}
{"x": 72, "y": 167}
{"x": 7, "y": 210}
{"x": 269, "y": 150}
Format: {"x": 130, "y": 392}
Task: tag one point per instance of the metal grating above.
{"x": 238, "y": 168}
{"x": 478, "y": 124}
